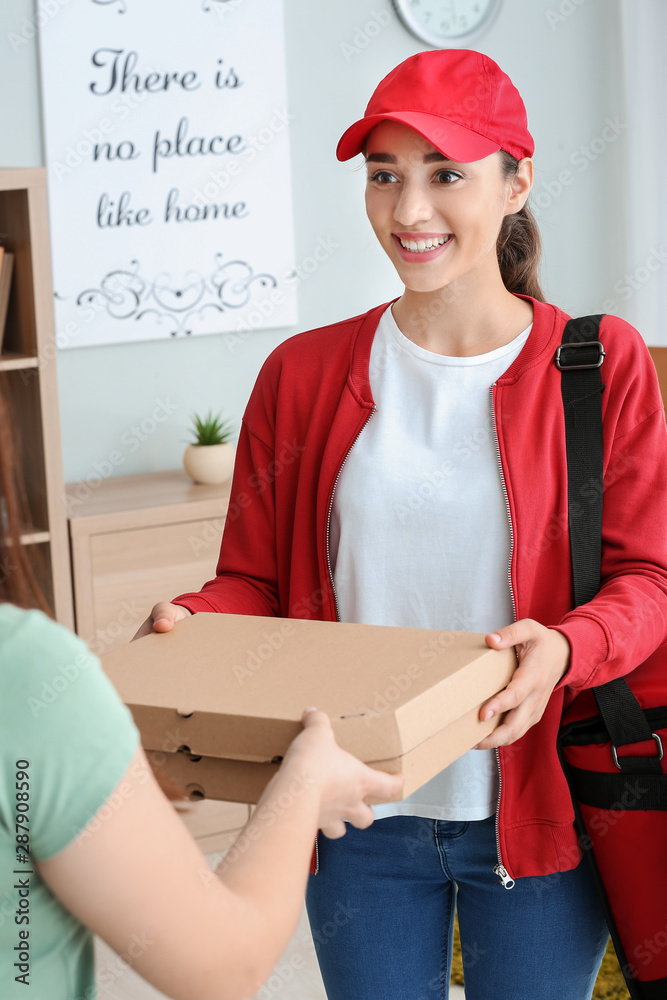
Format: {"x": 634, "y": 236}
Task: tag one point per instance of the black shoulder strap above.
{"x": 579, "y": 358}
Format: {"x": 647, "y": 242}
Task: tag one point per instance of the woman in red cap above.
{"x": 407, "y": 467}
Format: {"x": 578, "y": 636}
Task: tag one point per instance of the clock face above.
{"x": 447, "y": 23}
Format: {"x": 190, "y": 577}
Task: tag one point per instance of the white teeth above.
{"x": 420, "y": 246}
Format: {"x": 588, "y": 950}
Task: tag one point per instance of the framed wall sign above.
{"x": 167, "y": 152}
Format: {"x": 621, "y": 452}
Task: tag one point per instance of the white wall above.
{"x": 564, "y": 63}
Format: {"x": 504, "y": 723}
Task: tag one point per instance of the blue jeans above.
{"x": 381, "y": 910}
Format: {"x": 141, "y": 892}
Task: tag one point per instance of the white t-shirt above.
{"x": 419, "y": 528}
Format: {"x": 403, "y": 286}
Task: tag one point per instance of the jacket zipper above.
{"x": 499, "y": 869}
{"x": 331, "y": 579}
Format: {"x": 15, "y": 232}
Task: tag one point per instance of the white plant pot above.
{"x": 209, "y": 463}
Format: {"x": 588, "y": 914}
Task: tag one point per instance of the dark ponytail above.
{"x": 519, "y": 246}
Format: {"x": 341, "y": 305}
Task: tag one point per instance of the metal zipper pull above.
{"x": 503, "y": 875}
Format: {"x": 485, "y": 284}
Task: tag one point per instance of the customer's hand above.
{"x": 162, "y": 618}
{"x": 341, "y": 780}
{"x": 544, "y": 656}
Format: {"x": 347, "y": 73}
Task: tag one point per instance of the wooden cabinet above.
{"x": 137, "y": 540}
{"x": 29, "y": 380}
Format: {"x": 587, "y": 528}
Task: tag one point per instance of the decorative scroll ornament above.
{"x": 125, "y": 294}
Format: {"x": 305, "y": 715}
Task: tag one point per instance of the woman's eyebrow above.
{"x": 388, "y": 158}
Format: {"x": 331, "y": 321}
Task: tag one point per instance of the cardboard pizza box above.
{"x": 219, "y": 699}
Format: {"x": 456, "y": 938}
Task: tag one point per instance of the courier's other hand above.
{"x": 543, "y": 655}
{"x": 162, "y": 619}
{"x": 341, "y": 781}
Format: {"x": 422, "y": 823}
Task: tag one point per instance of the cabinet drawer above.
{"x": 134, "y": 569}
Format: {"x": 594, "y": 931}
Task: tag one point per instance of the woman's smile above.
{"x": 420, "y": 247}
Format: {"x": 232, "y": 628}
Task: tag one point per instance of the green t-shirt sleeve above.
{"x": 64, "y": 718}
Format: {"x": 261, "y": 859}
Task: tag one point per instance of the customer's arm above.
{"x": 138, "y": 880}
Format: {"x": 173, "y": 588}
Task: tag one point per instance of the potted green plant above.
{"x": 210, "y": 457}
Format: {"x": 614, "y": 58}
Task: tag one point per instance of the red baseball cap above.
{"x": 458, "y": 99}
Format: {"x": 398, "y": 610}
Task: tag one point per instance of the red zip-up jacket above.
{"x": 312, "y": 399}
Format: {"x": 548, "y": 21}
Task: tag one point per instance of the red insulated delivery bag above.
{"x": 612, "y": 740}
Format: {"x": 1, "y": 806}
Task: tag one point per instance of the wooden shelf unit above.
{"x": 29, "y": 379}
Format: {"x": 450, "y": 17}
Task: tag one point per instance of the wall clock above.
{"x": 447, "y": 24}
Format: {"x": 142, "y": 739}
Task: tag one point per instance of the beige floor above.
{"x": 296, "y": 976}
